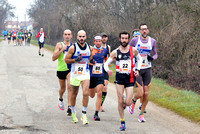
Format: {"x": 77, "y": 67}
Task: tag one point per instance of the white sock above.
{"x": 84, "y": 109}
{"x": 73, "y": 109}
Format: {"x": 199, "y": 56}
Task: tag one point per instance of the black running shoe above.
{"x": 96, "y": 118}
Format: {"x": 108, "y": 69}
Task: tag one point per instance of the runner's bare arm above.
{"x": 112, "y": 57}
{"x": 58, "y": 50}
{"x": 68, "y": 57}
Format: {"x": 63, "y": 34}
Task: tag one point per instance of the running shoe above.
{"x": 124, "y": 101}
{"x": 131, "y": 108}
{"x": 74, "y": 118}
{"x": 96, "y": 118}
{"x": 122, "y": 126}
{"x": 102, "y": 109}
{"x": 61, "y": 105}
{"x": 84, "y": 119}
{"x": 69, "y": 111}
{"x": 141, "y": 118}
{"x": 39, "y": 53}
{"x": 140, "y": 107}
{"x": 42, "y": 54}
{"x": 124, "y": 105}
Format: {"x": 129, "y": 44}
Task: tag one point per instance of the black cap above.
{"x": 103, "y": 34}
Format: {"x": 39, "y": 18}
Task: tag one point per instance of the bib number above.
{"x": 144, "y": 60}
{"x": 97, "y": 68}
{"x": 125, "y": 66}
{"x": 80, "y": 69}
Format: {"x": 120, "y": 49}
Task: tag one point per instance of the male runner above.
{"x": 106, "y": 77}
{"x": 41, "y": 40}
{"x": 20, "y": 36}
{"x": 9, "y": 35}
{"x": 79, "y": 55}
{"x": 63, "y": 69}
{"x": 144, "y": 44}
{"x": 29, "y": 38}
{"x": 99, "y": 54}
{"x": 125, "y": 72}
{"x": 5, "y": 32}
{"x": 14, "y": 35}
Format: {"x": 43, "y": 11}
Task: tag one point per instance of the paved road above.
{"x": 29, "y": 93}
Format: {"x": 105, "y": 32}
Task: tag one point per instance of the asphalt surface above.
{"x": 29, "y": 102}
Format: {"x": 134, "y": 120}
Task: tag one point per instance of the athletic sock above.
{"x": 141, "y": 113}
{"x": 133, "y": 101}
{"x": 96, "y": 113}
{"x": 73, "y": 109}
{"x": 84, "y": 110}
{"x": 103, "y": 97}
{"x": 122, "y": 120}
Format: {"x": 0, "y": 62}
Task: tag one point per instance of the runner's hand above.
{"x": 110, "y": 72}
{"x": 136, "y": 73}
{"x": 149, "y": 58}
{"x": 79, "y": 58}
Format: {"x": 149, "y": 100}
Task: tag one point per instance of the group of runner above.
{"x": 18, "y": 36}
{"x": 88, "y": 66}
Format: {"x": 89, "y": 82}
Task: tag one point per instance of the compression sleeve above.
{"x": 139, "y": 61}
{"x": 109, "y": 60}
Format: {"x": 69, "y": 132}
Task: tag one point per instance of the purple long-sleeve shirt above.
{"x": 153, "y": 43}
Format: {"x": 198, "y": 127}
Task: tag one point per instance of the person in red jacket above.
{"x": 41, "y": 40}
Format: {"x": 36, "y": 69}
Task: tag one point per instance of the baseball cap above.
{"x": 103, "y": 34}
{"x": 98, "y": 38}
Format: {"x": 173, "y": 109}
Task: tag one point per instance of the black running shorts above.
{"x": 124, "y": 79}
{"x": 144, "y": 77}
{"x": 62, "y": 74}
{"x": 95, "y": 81}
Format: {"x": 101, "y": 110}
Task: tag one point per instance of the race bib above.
{"x": 29, "y": 35}
{"x": 14, "y": 34}
{"x": 97, "y": 68}
{"x": 144, "y": 60}
{"x": 8, "y": 36}
{"x": 125, "y": 66}
{"x": 80, "y": 69}
{"x": 20, "y": 35}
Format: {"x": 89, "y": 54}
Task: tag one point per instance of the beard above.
{"x": 144, "y": 36}
{"x": 123, "y": 44}
{"x": 81, "y": 42}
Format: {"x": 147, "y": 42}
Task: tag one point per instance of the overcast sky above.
{"x": 21, "y": 6}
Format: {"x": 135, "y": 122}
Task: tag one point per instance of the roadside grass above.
{"x": 183, "y": 102}
{"x": 1, "y": 40}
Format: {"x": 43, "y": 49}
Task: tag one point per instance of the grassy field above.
{"x": 183, "y": 102}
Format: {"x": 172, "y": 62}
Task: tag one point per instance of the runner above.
{"x": 41, "y": 40}
{"x": 20, "y": 36}
{"x": 29, "y": 37}
{"x": 63, "y": 69}
{"x": 144, "y": 44}
{"x": 78, "y": 55}
{"x": 14, "y": 35}
{"x": 5, "y": 32}
{"x": 9, "y": 36}
{"x": 125, "y": 72}
{"x": 25, "y": 36}
{"x": 96, "y": 73}
{"x": 106, "y": 77}
{"x": 136, "y": 33}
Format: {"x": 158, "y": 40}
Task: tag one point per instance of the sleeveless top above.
{"x": 123, "y": 63}
{"x": 62, "y": 66}
{"x": 144, "y": 49}
{"x": 80, "y": 70}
